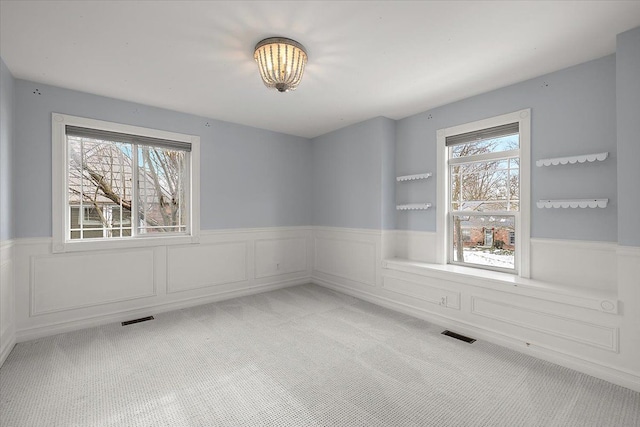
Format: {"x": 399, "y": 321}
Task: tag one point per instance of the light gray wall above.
{"x": 573, "y": 112}
{"x": 628, "y": 126}
{"x": 348, "y": 175}
{"x": 388, "y": 174}
{"x": 6, "y": 151}
{"x": 249, "y": 177}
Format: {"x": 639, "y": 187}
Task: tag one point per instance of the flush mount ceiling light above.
{"x": 281, "y": 62}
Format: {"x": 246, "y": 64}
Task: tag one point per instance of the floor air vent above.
{"x": 142, "y": 319}
{"x": 459, "y": 337}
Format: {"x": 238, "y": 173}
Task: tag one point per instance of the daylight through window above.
{"x": 484, "y": 197}
{"x": 122, "y": 185}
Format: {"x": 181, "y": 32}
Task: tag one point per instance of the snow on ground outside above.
{"x": 487, "y": 258}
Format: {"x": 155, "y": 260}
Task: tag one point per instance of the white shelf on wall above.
{"x": 573, "y": 203}
{"x": 572, "y": 159}
{"x": 414, "y": 177}
{"x": 414, "y": 207}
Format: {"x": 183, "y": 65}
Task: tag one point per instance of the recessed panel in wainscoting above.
{"x": 280, "y": 256}
{"x": 588, "y": 333}
{"x": 6, "y": 298}
{"x": 591, "y": 265}
{"x": 203, "y": 265}
{"x": 349, "y": 259}
{"x": 439, "y": 296}
{"x": 70, "y": 281}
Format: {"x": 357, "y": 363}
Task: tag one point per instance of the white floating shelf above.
{"x": 413, "y": 207}
{"x": 414, "y": 177}
{"x": 573, "y": 203}
{"x": 572, "y": 159}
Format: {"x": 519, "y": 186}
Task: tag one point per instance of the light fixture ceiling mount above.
{"x": 281, "y": 62}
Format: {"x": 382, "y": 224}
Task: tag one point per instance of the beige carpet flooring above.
{"x": 302, "y": 356}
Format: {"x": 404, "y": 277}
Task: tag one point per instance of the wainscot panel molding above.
{"x": 349, "y": 255}
{"x": 556, "y": 261}
{"x": 507, "y": 283}
{"x": 573, "y": 321}
{"x": 71, "y": 281}
{"x": 116, "y": 316}
{"x": 207, "y": 264}
{"x": 7, "y": 300}
{"x": 552, "y": 261}
{"x": 629, "y": 293}
{"x": 58, "y": 293}
{"x": 547, "y": 323}
{"x": 277, "y": 257}
{"x": 431, "y": 294}
{"x": 421, "y": 246}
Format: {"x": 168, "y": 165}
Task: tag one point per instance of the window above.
{"x": 98, "y": 222}
{"x": 483, "y": 193}
{"x": 117, "y": 185}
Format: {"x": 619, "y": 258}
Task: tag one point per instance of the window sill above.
{"x": 139, "y": 242}
{"x": 504, "y": 282}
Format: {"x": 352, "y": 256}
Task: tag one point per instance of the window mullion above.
{"x": 81, "y": 211}
{"x": 484, "y": 213}
{"x": 500, "y": 155}
{"x": 509, "y": 162}
{"x": 135, "y": 220}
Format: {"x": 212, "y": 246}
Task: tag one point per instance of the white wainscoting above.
{"x": 207, "y": 264}
{"x": 434, "y": 295}
{"x": 560, "y": 321}
{"x": 590, "y": 265}
{"x": 350, "y": 255}
{"x": 554, "y": 324}
{"x": 63, "y": 282}
{"x": 419, "y": 246}
{"x": 7, "y": 300}
{"x": 56, "y": 293}
{"x": 275, "y": 257}
{"x": 553, "y": 261}
{"x": 61, "y": 292}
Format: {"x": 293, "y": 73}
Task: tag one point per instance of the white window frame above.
{"x": 523, "y": 224}
{"x": 60, "y": 206}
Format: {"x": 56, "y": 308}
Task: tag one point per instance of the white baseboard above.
{"x": 6, "y": 348}
{"x": 7, "y": 300}
{"x": 610, "y": 374}
{"x": 28, "y": 334}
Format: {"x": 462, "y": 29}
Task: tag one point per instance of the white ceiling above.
{"x": 366, "y": 59}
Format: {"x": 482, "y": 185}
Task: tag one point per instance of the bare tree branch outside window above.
{"x": 483, "y": 186}
{"x": 101, "y": 189}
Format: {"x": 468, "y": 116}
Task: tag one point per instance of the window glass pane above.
{"x": 483, "y": 186}
{"x": 484, "y": 240}
{"x": 161, "y": 190}
{"x": 495, "y": 145}
{"x": 514, "y": 189}
{"x": 99, "y": 175}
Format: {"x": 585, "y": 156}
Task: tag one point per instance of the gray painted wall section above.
{"x": 7, "y": 88}
{"x": 249, "y": 177}
{"x": 628, "y": 126}
{"x": 388, "y": 174}
{"x": 347, "y": 175}
{"x": 573, "y": 112}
